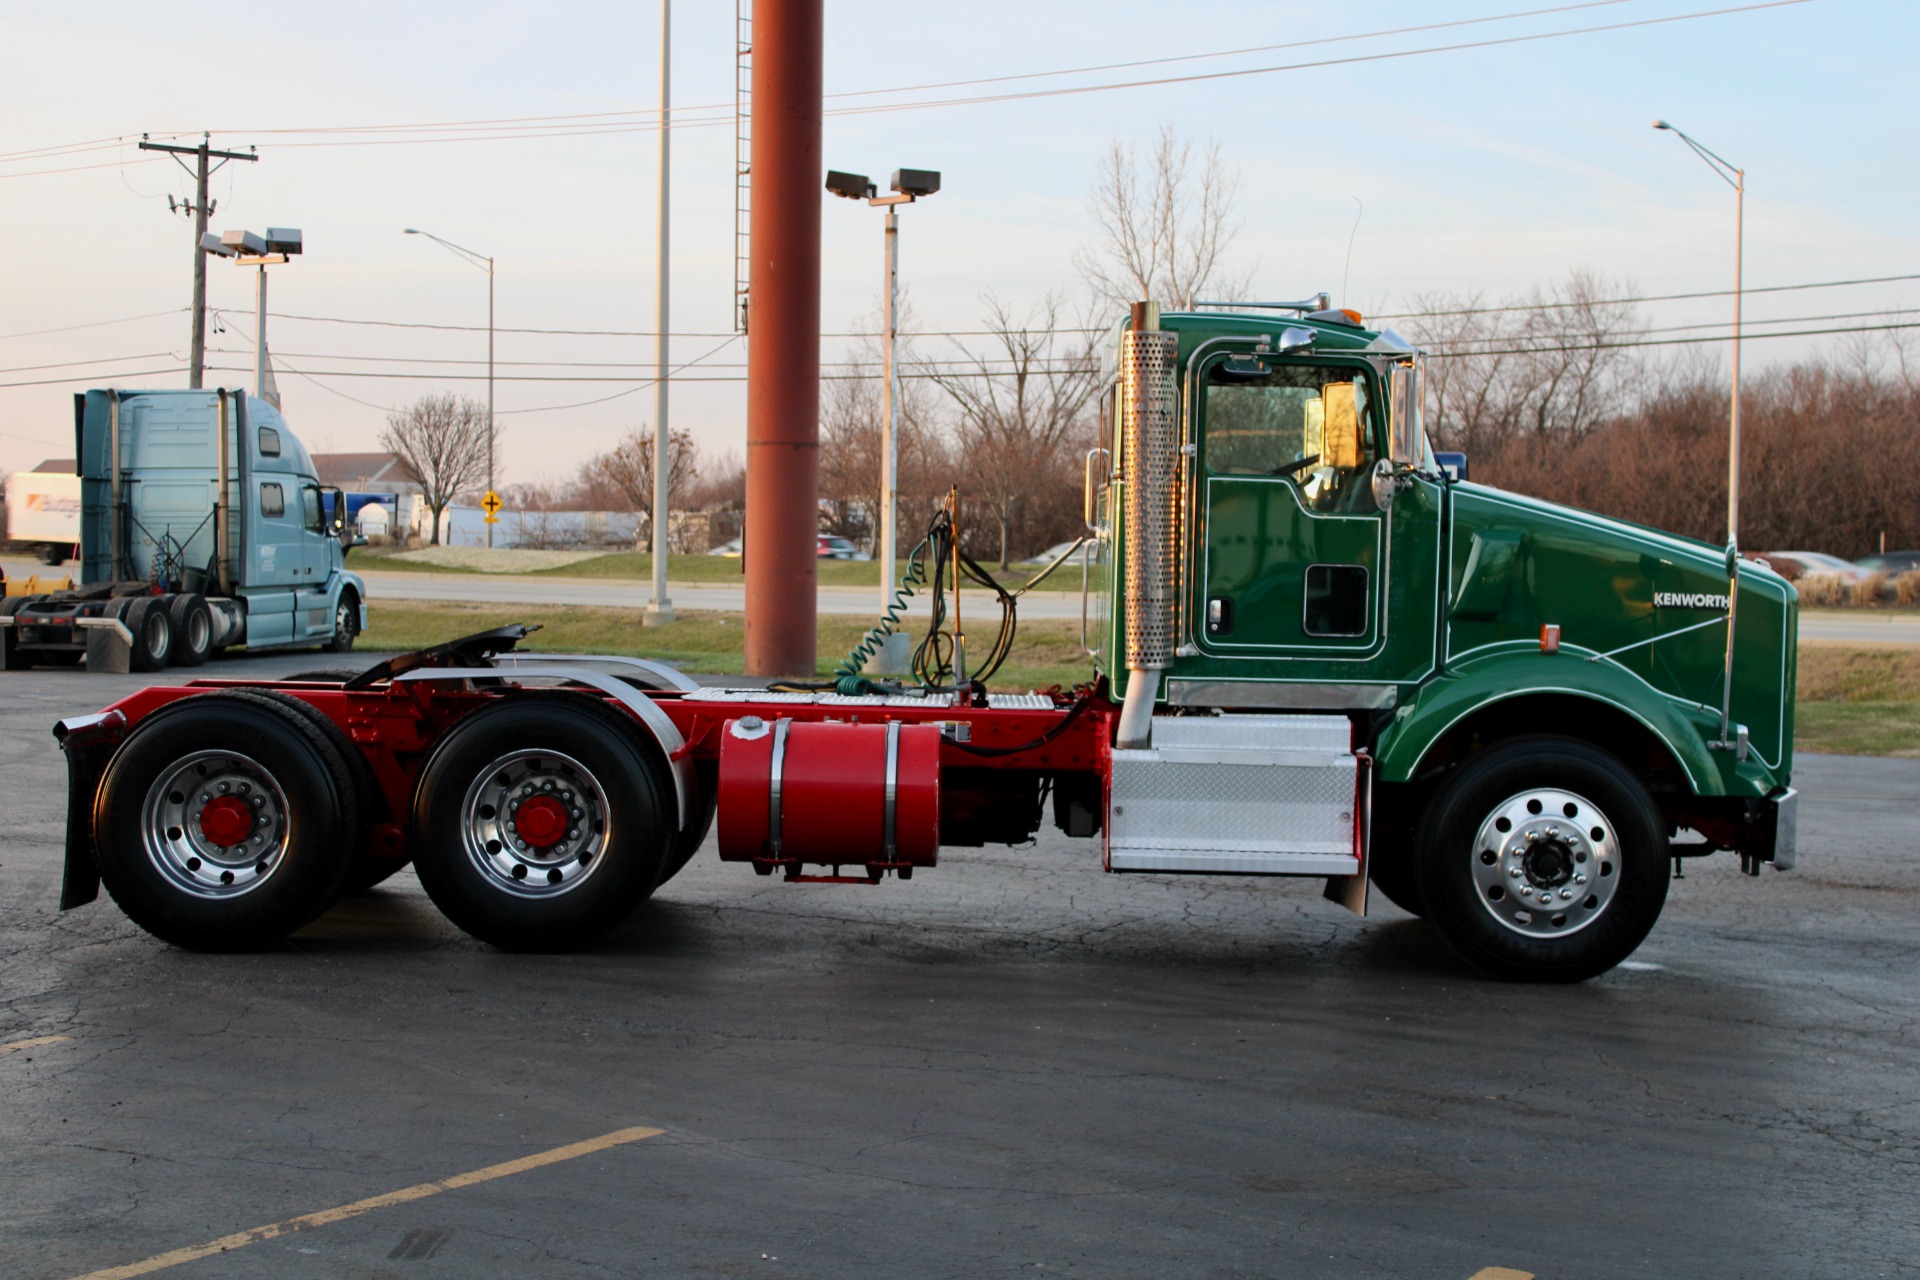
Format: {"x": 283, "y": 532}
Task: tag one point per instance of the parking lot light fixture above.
{"x": 248, "y": 249}
{"x": 908, "y": 185}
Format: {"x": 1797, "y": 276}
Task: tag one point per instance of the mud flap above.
{"x": 1351, "y": 891}
{"x": 80, "y": 879}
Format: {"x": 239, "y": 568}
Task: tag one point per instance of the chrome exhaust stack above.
{"x": 1150, "y": 470}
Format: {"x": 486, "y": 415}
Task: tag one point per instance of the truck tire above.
{"x": 346, "y": 623}
{"x": 192, "y": 630}
{"x": 1543, "y": 860}
{"x": 364, "y": 869}
{"x": 16, "y": 658}
{"x": 152, "y": 628}
{"x": 206, "y": 770}
{"x": 541, "y": 821}
{"x": 694, "y": 834}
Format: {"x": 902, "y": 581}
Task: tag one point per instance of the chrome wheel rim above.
{"x": 215, "y": 825}
{"x": 535, "y": 823}
{"x": 1546, "y": 863}
{"x": 199, "y": 632}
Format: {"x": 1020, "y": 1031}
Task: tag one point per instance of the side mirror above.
{"x": 1406, "y": 440}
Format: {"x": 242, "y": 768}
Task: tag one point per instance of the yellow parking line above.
{"x": 35, "y": 1043}
{"x": 174, "y": 1258}
{"x": 1500, "y": 1273}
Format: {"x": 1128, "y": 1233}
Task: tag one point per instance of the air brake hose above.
{"x": 846, "y": 677}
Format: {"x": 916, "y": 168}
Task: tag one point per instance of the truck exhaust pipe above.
{"x": 1149, "y": 468}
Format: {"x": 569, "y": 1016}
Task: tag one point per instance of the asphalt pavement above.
{"x": 1012, "y": 1065}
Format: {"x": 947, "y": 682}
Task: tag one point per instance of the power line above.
{"x": 91, "y": 324}
{"x": 1652, "y": 297}
{"x": 1572, "y": 347}
{"x": 541, "y": 127}
{"x": 141, "y": 373}
{"x": 68, "y": 364}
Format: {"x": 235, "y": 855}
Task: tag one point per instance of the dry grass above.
{"x": 1821, "y": 591}
{"x": 1866, "y": 592}
{"x": 1906, "y": 588}
{"x": 1835, "y": 673}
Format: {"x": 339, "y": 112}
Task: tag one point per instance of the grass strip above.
{"x": 1045, "y": 653}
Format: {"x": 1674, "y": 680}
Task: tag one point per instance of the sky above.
{"x": 1403, "y": 169}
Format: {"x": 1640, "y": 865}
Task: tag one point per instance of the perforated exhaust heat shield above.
{"x": 1150, "y": 466}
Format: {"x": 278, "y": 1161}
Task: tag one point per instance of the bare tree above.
{"x": 1554, "y": 362}
{"x": 853, "y": 443}
{"x": 1022, "y": 405}
{"x": 1166, "y": 224}
{"x": 622, "y": 477}
{"x": 442, "y": 443}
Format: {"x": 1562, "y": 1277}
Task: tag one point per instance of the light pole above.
{"x": 1736, "y": 178}
{"x": 659, "y": 608}
{"x": 486, "y": 264}
{"x": 907, "y": 185}
{"x": 249, "y": 250}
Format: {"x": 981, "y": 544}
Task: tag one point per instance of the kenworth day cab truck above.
{"x": 202, "y": 525}
{"x": 1311, "y": 652}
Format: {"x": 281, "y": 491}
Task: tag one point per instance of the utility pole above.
{"x": 200, "y": 208}
{"x": 659, "y": 608}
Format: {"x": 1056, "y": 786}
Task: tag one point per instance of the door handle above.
{"x": 1220, "y": 615}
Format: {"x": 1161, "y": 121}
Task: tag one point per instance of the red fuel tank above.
{"x": 832, "y": 793}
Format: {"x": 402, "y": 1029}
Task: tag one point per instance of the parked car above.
{"x": 831, "y": 547}
{"x": 729, "y": 548}
{"x": 1891, "y": 563}
{"x": 1793, "y": 565}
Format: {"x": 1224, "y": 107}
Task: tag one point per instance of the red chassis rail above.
{"x": 1000, "y": 747}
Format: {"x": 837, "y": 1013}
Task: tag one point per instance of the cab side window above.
{"x": 310, "y": 509}
{"x": 1311, "y": 424}
{"x": 273, "y": 500}
{"x": 269, "y": 443}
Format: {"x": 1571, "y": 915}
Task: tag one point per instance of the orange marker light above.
{"x": 1550, "y": 638}
{"x": 1352, "y": 315}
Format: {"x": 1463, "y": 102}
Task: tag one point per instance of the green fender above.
{"x": 1521, "y": 672}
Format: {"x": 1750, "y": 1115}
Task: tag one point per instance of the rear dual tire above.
{"x": 542, "y": 821}
{"x": 222, "y": 822}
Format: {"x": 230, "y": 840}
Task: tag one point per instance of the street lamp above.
{"x": 486, "y": 264}
{"x": 249, "y": 250}
{"x": 908, "y": 185}
{"x": 1737, "y": 179}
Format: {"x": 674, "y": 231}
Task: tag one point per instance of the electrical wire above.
{"x": 1651, "y": 297}
{"x": 538, "y": 128}
{"x": 92, "y": 324}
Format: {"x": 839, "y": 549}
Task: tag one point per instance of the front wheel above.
{"x": 541, "y": 821}
{"x": 346, "y": 624}
{"x": 1543, "y": 860}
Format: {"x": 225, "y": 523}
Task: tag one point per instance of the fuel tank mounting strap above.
{"x": 775, "y": 767}
{"x": 893, "y": 786}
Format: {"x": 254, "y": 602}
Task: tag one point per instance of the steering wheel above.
{"x": 1300, "y": 464}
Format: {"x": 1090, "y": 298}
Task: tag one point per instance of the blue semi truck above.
{"x": 203, "y": 524}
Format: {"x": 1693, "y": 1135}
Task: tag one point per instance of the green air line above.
{"x": 846, "y": 677}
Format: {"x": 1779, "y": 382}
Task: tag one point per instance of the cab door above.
{"x": 1295, "y": 579}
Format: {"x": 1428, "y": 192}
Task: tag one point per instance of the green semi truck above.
{"x": 1312, "y": 652}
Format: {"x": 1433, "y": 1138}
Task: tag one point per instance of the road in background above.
{"x": 635, "y": 593}
{"x": 1014, "y": 1064}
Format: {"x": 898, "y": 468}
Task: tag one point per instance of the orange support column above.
{"x": 783, "y": 326}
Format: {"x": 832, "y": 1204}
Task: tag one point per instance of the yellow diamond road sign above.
{"x": 491, "y": 504}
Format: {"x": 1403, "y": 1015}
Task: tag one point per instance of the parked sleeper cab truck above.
{"x": 202, "y": 525}
{"x": 1312, "y": 652}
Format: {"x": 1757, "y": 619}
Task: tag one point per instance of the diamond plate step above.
{"x": 1249, "y": 795}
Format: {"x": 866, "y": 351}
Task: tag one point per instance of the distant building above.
{"x": 364, "y": 472}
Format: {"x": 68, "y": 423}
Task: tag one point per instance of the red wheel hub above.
{"x": 541, "y": 821}
{"x": 226, "y": 821}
